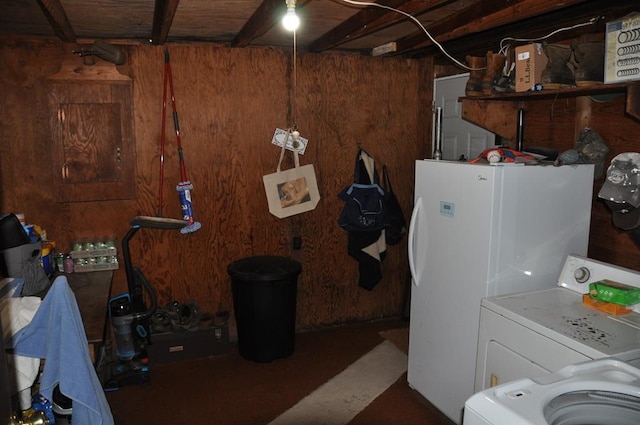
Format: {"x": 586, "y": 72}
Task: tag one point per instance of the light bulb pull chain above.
{"x": 295, "y": 83}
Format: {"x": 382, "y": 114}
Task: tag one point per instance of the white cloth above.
{"x": 16, "y": 313}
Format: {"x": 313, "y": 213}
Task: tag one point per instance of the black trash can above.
{"x": 264, "y": 292}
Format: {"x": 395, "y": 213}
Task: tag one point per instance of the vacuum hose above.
{"x": 105, "y": 51}
{"x": 139, "y": 276}
{"x": 108, "y": 52}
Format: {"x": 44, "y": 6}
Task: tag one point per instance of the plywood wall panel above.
{"x": 360, "y": 113}
{"x": 229, "y": 103}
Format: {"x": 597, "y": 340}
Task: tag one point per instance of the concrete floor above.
{"x": 230, "y": 389}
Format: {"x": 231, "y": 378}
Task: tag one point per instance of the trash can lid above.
{"x": 264, "y": 268}
{"x": 12, "y": 234}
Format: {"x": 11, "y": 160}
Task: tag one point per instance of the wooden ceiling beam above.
{"x": 367, "y": 21}
{"x": 163, "y": 15}
{"x": 479, "y": 17}
{"x": 538, "y": 27}
{"x": 262, "y": 20}
{"x": 57, "y": 17}
{"x": 268, "y": 14}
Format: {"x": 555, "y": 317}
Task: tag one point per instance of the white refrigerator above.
{"x": 480, "y": 230}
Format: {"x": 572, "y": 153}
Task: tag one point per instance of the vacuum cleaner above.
{"x": 129, "y": 313}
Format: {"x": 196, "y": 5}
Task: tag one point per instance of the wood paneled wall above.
{"x": 229, "y": 103}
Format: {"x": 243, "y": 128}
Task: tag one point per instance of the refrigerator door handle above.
{"x": 411, "y": 238}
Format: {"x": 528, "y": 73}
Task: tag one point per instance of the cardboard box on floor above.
{"x": 530, "y": 61}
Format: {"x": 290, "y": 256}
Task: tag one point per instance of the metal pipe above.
{"x": 520, "y": 130}
{"x": 437, "y": 150}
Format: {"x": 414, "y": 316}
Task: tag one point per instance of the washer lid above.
{"x": 597, "y": 392}
{"x": 593, "y": 407}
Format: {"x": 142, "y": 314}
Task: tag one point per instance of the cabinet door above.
{"x": 93, "y": 150}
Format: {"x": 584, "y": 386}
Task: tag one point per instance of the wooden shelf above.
{"x": 557, "y": 93}
{"x": 497, "y": 113}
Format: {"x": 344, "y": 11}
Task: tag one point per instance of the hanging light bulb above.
{"x": 290, "y": 21}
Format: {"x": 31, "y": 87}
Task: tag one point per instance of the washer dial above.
{"x": 581, "y": 274}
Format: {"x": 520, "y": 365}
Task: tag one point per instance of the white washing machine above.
{"x": 535, "y": 333}
{"x": 597, "y": 392}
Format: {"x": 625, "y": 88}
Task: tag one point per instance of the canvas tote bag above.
{"x": 291, "y": 191}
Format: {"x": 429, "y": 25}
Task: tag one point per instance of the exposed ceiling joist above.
{"x": 163, "y": 15}
{"x": 373, "y": 19}
{"x": 482, "y": 16}
{"x": 262, "y": 20}
{"x": 55, "y": 14}
{"x": 328, "y": 26}
{"x": 358, "y": 25}
{"x": 572, "y": 20}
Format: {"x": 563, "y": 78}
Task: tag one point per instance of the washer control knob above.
{"x": 581, "y": 274}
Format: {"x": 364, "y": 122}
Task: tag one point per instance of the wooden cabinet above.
{"x": 93, "y": 148}
{"x": 498, "y": 114}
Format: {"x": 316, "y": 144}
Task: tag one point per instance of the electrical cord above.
{"x": 417, "y": 22}
{"x": 295, "y": 84}
{"x": 503, "y": 49}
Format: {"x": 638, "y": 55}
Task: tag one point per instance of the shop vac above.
{"x": 129, "y": 314}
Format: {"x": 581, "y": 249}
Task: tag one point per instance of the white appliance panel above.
{"x": 476, "y": 231}
{"x": 439, "y": 304}
{"x": 531, "y": 346}
{"x": 552, "y": 328}
{"x": 578, "y": 272}
{"x": 454, "y": 201}
{"x": 510, "y": 363}
{"x": 567, "y": 396}
{"x": 560, "y": 313}
{"x": 544, "y": 215}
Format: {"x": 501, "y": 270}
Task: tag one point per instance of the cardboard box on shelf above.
{"x": 530, "y": 61}
{"x": 622, "y": 50}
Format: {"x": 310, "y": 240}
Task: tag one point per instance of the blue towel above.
{"x": 57, "y": 335}
{"x": 11, "y": 284}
